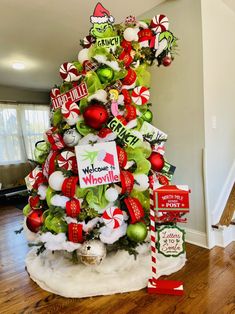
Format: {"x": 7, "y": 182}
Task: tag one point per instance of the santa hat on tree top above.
{"x": 101, "y": 15}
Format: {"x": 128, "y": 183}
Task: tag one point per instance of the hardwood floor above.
{"x": 209, "y": 283}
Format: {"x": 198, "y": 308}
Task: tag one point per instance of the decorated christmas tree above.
{"x": 90, "y": 192}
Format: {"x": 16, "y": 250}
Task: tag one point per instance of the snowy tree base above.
{"x": 118, "y": 273}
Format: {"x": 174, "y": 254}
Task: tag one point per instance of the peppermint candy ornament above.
{"x": 69, "y": 72}
{"x": 140, "y": 95}
{"x": 66, "y": 160}
{"x": 113, "y": 217}
{"x": 70, "y": 112}
{"x": 54, "y": 92}
{"x": 36, "y": 177}
{"x": 159, "y": 23}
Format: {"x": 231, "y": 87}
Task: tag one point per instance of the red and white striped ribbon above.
{"x": 153, "y": 234}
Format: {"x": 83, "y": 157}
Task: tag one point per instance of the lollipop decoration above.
{"x": 66, "y": 160}
{"x": 113, "y": 217}
{"x": 159, "y": 23}
{"x": 69, "y": 72}
{"x": 140, "y": 95}
{"x": 71, "y": 112}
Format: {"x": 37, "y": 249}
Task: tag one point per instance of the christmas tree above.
{"x": 89, "y": 194}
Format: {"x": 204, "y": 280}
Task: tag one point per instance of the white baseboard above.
{"x": 223, "y": 236}
{"x": 224, "y": 195}
{"x": 196, "y": 237}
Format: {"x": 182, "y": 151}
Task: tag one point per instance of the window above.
{"x": 21, "y": 126}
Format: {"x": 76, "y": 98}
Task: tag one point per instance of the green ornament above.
{"x": 55, "y": 224}
{"x": 137, "y": 232}
{"x": 147, "y": 116}
{"x": 26, "y": 210}
{"x": 105, "y": 74}
{"x": 49, "y": 194}
{"x": 41, "y": 152}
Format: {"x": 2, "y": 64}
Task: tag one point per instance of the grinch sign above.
{"x": 123, "y": 133}
{"x": 98, "y": 164}
{"x": 102, "y": 22}
{"x": 171, "y": 241}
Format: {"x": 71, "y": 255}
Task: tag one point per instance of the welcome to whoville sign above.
{"x": 97, "y": 164}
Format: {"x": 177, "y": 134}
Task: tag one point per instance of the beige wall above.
{"x": 25, "y": 95}
{"x": 177, "y": 97}
{"x": 218, "y": 22}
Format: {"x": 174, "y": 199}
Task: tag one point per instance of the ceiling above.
{"x": 44, "y": 34}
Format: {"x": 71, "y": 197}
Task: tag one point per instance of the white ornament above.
{"x": 56, "y": 180}
{"x": 83, "y": 55}
{"x": 92, "y": 252}
{"x": 111, "y": 194}
{"x": 71, "y": 137}
{"x": 42, "y": 191}
{"x": 141, "y": 182}
{"x": 59, "y": 200}
{"x": 131, "y": 34}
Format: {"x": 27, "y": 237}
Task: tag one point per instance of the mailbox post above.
{"x": 167, "y": 204}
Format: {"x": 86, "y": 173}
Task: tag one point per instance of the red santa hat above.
{"x": 101, "y": 15}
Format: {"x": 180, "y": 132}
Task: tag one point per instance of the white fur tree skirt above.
{"x": 119, "y": 272}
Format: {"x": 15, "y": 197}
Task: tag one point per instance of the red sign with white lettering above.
{"x": 172, "y": 198}
{"x": 73, "y": 95}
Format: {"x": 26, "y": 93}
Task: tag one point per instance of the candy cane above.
{"x": 153, "y": 233}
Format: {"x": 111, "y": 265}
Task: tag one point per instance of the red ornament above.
{"x": 34, "y": 220}
{"x": 166, "y": 61}
{"x": 157, "y": 161}
{"x": 34, "y": 202}
{"x": 95, "y": 116}
{"x": 75, "y": 233}
{"x": 135, "y": 209}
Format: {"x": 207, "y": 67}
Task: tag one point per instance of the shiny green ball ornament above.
{"x": 147, "y": 116}
{"x": 26, "y": 210}
{"x": 137, "y": 232}
{"x": 105, "y": 74}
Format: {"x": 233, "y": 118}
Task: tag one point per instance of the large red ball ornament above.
{"x": 95, "y": 116}
{"x": 34, "y": 220}
{"x": 157, "y": 161}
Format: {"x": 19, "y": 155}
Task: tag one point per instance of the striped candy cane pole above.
{"x": 153, "y": 234}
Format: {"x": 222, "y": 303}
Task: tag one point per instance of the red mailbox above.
{"x": 172, "y": 198}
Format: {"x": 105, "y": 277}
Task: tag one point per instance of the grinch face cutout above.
{"x": 102, "y": 22}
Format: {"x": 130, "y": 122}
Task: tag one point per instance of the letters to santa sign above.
{"x": 172, "y": 198}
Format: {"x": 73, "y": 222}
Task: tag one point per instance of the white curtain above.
{"x": 21, "y": 126}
